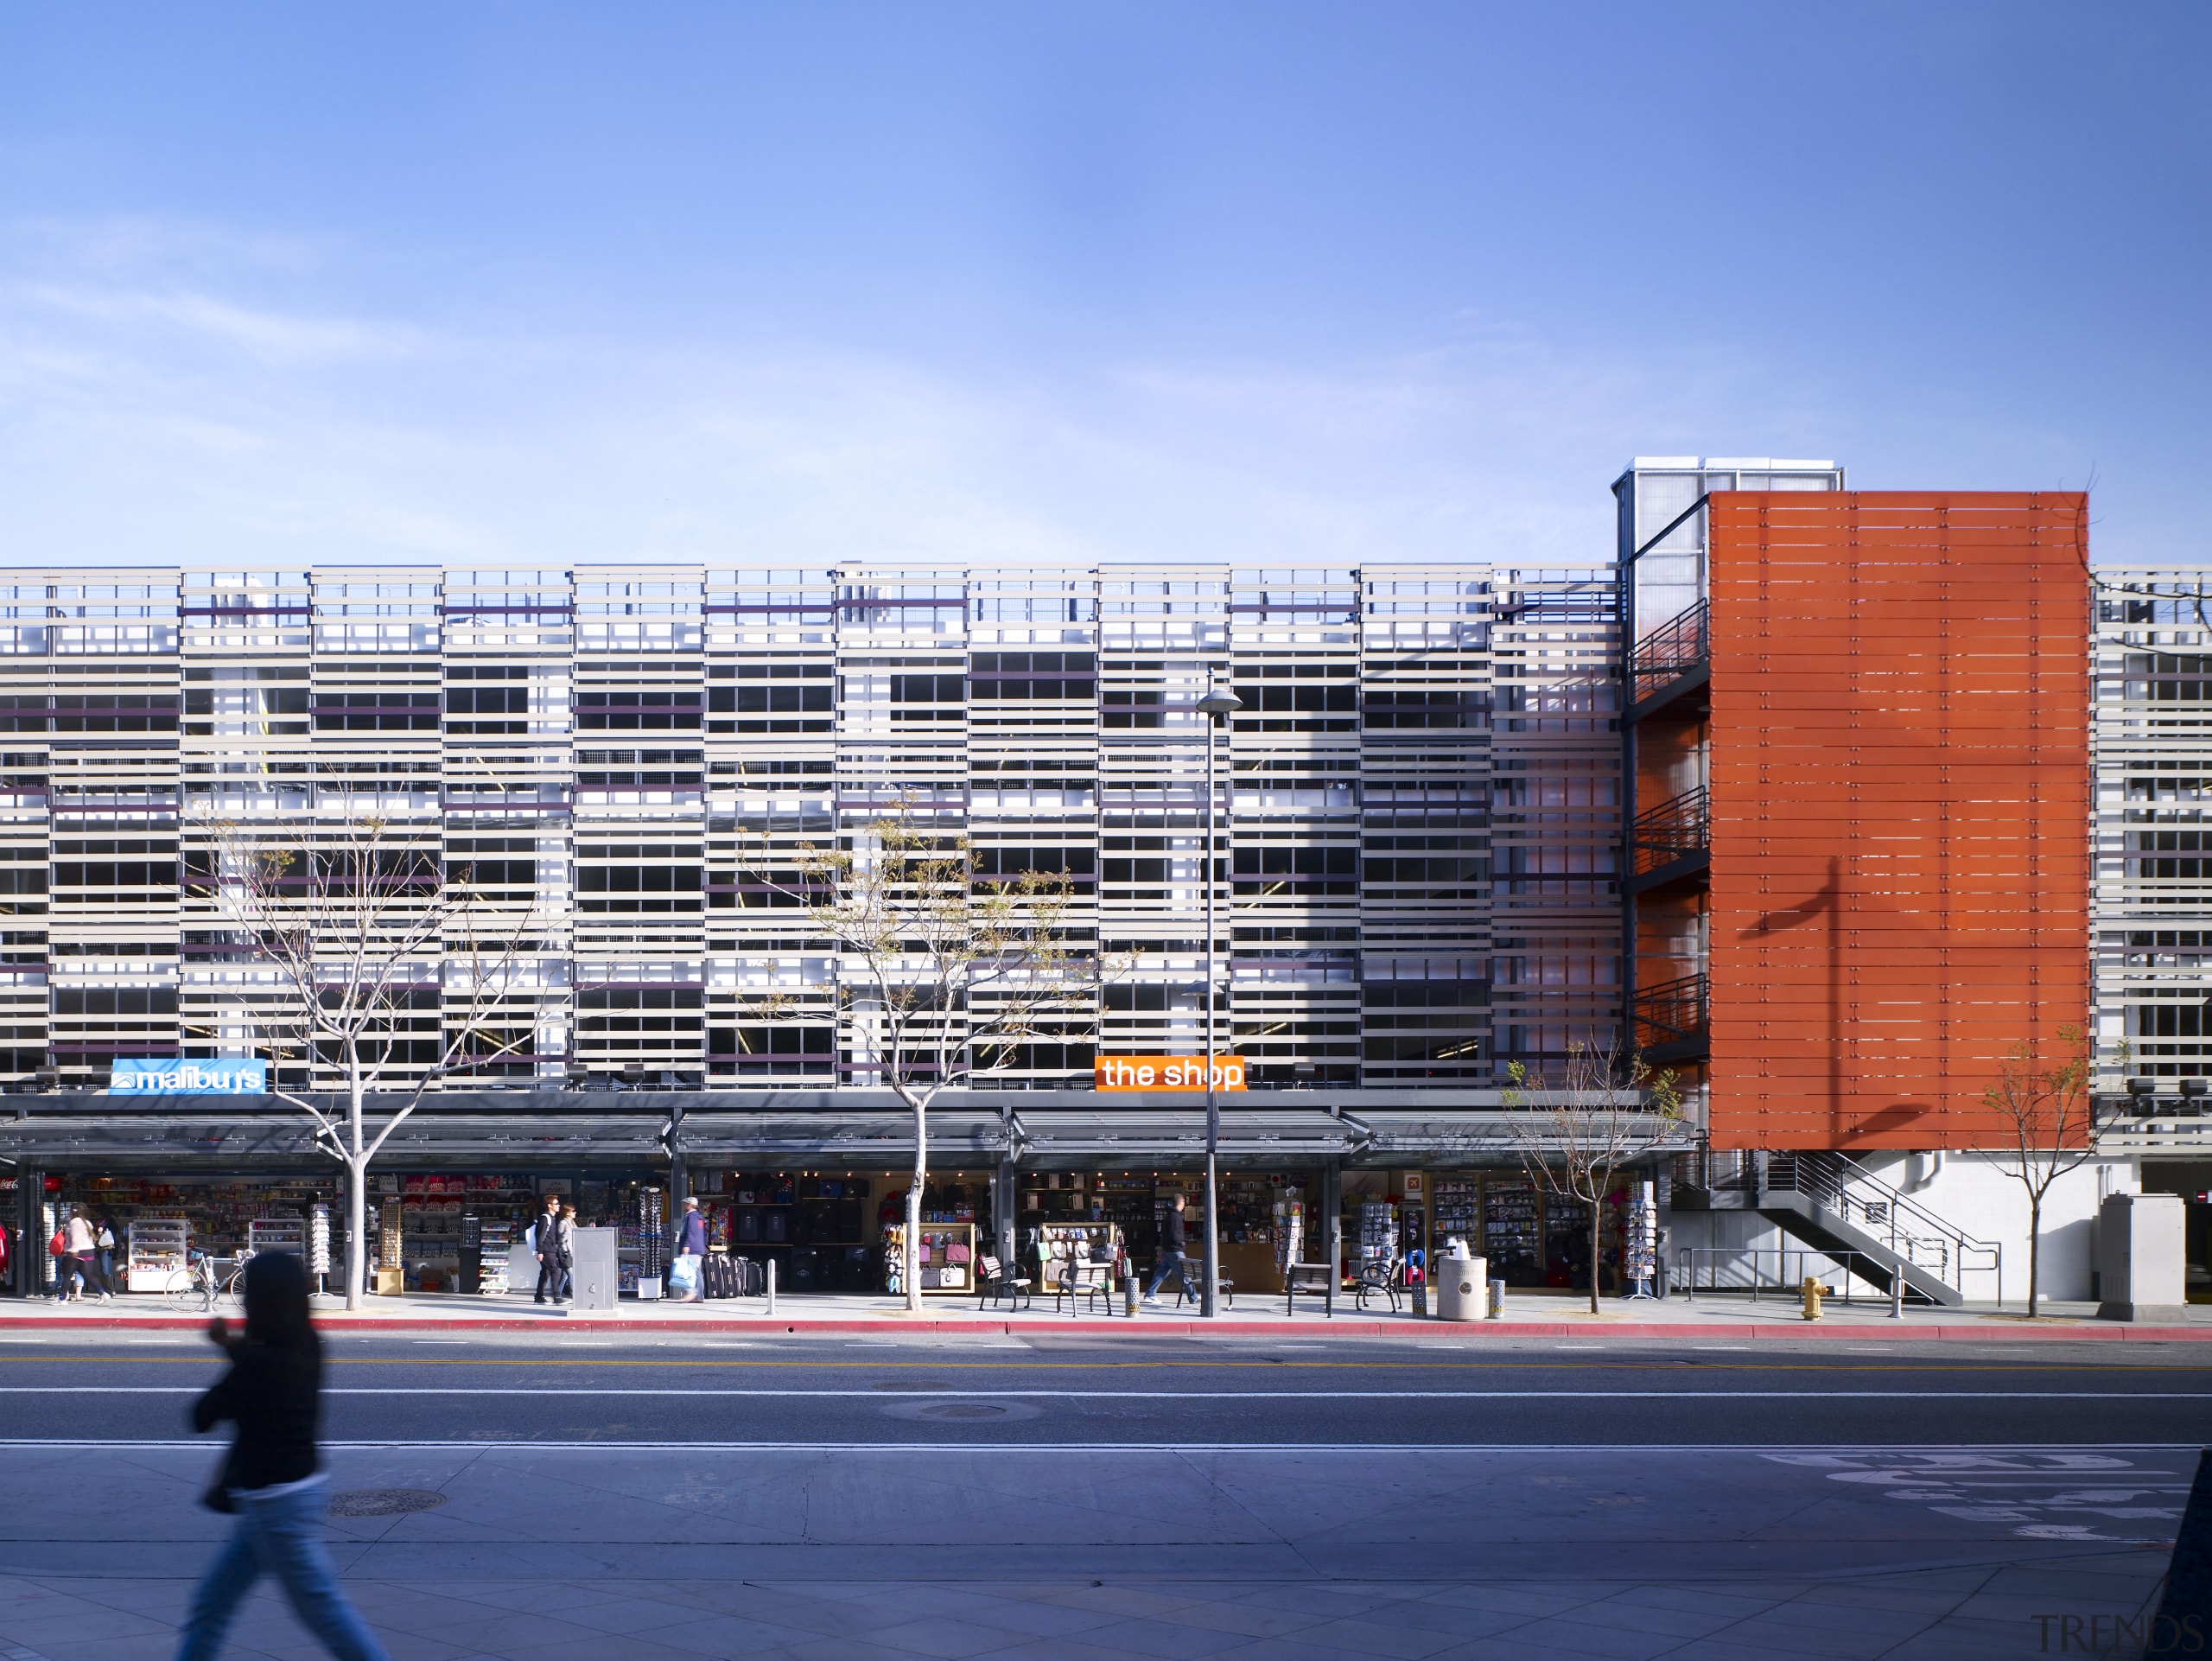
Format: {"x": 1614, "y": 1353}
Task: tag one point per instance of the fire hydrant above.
{"x": 1813, "y": 1292}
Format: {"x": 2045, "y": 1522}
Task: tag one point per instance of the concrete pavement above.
{"x": 894, "y": 1553}
{"x": 663, "y": 1492}
{"x": 1527, "y": 1314}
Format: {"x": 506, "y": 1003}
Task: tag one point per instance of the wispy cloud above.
{"x": 212, "y": 416}
{"x": 273, "y": 336}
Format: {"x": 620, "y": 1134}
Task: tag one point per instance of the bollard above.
{"x": 1421, "y": 1300}
{"x": 1129, "y": 1294}
{"x": 1812, "y": 1291}
{"x": 1897, "y": 1295}
{"x": 1496, "y": 1299}
{"x": 772, "y": 1287}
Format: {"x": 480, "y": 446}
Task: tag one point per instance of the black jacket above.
{"x": 1170, "y": 1237}
{"x": 275, "y": 1397}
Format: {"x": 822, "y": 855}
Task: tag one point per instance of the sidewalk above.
{"x": 1527, "y": 1315}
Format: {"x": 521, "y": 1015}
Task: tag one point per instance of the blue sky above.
{"x": 1284, "y": 283}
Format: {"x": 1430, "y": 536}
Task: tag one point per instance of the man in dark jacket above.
{"x": 543, "y": 1243}
{"x": 1170, "y": 1255}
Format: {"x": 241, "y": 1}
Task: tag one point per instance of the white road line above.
{"x": 1518, "y": 1449}
{"x": 680, "y": 1393}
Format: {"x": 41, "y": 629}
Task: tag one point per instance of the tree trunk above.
{"x": 2035, "y": 1248}
{"x": 357, "y": 1207}
{"x": 913, "y": 1250}
{"x": 357, "y": 1173}
{"x": 1595, "y": 1215}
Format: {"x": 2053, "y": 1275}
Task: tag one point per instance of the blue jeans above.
{"x": 1171, "y": 1261}
{"x": 280, "y": 1535}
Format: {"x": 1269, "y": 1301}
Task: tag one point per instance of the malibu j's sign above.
{"x": 170, "y": 1077}
{"x": 1127, "y": 1072}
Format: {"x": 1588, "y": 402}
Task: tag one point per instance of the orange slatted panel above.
{"x": 1901, "y": 806}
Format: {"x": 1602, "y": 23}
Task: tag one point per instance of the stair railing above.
{"x": 1917, "y": 1235}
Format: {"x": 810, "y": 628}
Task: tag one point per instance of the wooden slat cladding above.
{"x": 1900, "y": 808}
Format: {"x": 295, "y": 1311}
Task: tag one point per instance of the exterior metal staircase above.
{"x": 1831, "y": 1204}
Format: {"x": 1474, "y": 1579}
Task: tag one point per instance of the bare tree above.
{"x": 343, "y": 927}
{"x": 2049, "y": 1113}
{"x": 1576, "y": 1129}
{"x": 956, "y": 970}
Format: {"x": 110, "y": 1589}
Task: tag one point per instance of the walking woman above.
{"x": 273, "y": 1393}
{"x": 564, "y": 1254}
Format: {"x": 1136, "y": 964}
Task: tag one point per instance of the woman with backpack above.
{"x": 269, "y": 1479}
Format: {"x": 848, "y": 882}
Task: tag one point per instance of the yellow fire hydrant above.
{"x": 1813, "y": 1292}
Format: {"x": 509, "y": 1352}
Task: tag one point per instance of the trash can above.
{"x": 1461, "y": 1291}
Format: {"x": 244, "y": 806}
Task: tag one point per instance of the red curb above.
{"x": 2057, "y": 1331}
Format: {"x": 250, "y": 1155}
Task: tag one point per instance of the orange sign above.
{"x": 1125, "y": 1072}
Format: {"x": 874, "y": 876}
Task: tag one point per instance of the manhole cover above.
{"x": 384, "y": 1502}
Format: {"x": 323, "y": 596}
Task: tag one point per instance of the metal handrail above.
{"x": 1676, "y": 646}
{"x": 1855, "y": 1267}
{"x": 1680, "y": 824}
{"x": 1674, "y": 1008}
{"x": 1916, "y": 1233}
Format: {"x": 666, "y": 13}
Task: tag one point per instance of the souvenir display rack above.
{"x": 1058, "y": 1242}
{"x": 318, "y": 1239}
{"x": 278, "y": 1234}
{"x": 948, "y": 1258}
{"x": 495, "y": 1240}
{"x": 1456, "y": 1208}
{"x": 1378, "y": 1232}
{"x": 160, "y": 1251}
{"x": 221, "y": 1211}
{"x": 1511, "y": 1240}
{"x": 1289, "y": 1229}
{"x": 1566, "y": 1238}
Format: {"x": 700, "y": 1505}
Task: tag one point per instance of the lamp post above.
{"x": 1217, "y": 705}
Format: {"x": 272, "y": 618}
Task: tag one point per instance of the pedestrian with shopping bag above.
{"x": 684, "y": 1278}
{"x": 271, "y": 1479}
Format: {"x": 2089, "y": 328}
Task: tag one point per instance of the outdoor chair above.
{"x": 1192, "y": 1293}
{"x": 993, "y": 1281}
{"x": 1376, "y": 1275}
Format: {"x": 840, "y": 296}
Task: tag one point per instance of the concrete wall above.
{"x": 1974, "y": 1192}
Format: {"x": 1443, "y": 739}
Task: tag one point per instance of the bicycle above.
{"x": 204, "y": 1290}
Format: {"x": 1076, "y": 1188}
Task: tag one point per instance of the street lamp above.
{"x": 1216, "y": 706}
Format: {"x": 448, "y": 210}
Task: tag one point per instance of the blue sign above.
{"x": 169, "y": 1077}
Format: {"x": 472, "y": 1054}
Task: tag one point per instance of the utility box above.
{"x": 2140, "y": 1257}
{"x": 595, "y": 1273}
{"x": 1462, "y": 1292}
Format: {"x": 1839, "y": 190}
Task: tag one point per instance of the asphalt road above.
{"x": 670, "y": 1497}
{"x": 1041, "y": 1391}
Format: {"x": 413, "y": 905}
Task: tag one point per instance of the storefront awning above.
{"x": 494, "y": 1130}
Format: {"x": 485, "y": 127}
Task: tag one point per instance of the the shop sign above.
{"x": 1140, "y": 1072}
{"x": 168, "y": 1076}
